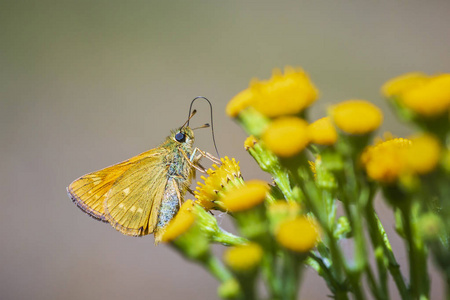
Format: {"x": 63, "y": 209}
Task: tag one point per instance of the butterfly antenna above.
{"x": 203, "y": 126}
{"x": 212, "y": 123}
{"x": 190, "y": 116}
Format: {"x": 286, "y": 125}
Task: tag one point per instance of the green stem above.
{"x": 228, "y": 239}
{"x": 356, "y": 285}
{"x": 269, "y": 272}
{"x": 281, "y": 178}
{"x": 247, "y": 282}
{"x": 291, "y": 271}
{"x": 330, "y": 205}
{"x": 419, "y": 285}
{"x": 316, "y": 204}
{"x": 355, "y": 270}
{"x": 270, "y": 163}
{"x": 337, "y": 257}
{"x": 378, "y": 252}
{"x": 326, "y": 273}
{"x": 380, "y": 239}
{"x": 355, "y": 198}
{"x": 447, "y": 286}
{"x": 354, "y": 214}
{"x": 217, "y": 268}
{"x": 377, "y": 292}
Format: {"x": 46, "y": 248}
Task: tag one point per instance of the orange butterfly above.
{"x": 142, "y": 194}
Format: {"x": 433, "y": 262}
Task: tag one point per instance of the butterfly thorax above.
{"x": 179, "y": 176}
{"x": 178, "y": 153}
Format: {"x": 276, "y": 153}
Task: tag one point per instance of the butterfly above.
{"x": 141, "y": 195}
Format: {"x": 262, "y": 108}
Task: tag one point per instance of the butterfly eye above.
{"x": 180, "y": 137}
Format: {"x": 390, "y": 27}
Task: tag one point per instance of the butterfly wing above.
{"x": 133, "y": 202}
{"x": 89, "y": 191}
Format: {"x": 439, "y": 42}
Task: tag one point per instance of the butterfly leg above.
{"x": 178, "y": 192}
{"x": 205, "y": 154}
{"x": 191, "y": 162}
{"x": 190, "y": 191}
{"x": 198, "y": 164}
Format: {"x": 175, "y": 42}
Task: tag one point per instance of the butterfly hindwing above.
{"x": 132, "y": 203}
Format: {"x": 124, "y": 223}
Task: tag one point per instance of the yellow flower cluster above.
{"x": 387, "y": 161}
{"x": 219, "y": 177}
{"x": 284, "y": 94}
{"x": 426, "y": 95}
{"x": 279, "y": 224}
{"x": 289, "y": 135}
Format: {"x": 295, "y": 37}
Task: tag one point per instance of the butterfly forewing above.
{"x": 89, "y": 191}
{"x": 132, "y": 203}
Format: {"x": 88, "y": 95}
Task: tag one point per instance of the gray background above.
{"x": 85, "y": 84}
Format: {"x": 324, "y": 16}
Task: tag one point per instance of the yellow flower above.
{"x": 387, "y": 161}
{"x": 283, "y": 94}
{"x": 250, "y": 142}
{"x": 431, "y": 98}
{"x": 282, "y": 210}
{"x": 398, "y": 85}
{"x": 384, "y": 161}
{"x": 299, "y": 234}
{"x": 312, "y": 166}
{"x": 219, "y": 177}
{"x": 245, "y": 197}
{"x": 286, "y": 136}
{"x": 180, "y": 224}
{"x": 322, "y": 132}
{"x": 244, "y": 257}
{"x": 356, "y": 116}
{"x": 239, "y": 102}
{"x": 423, "y": 155}
{"x": 287, "y": 209}
{"x": 426, "y": 95}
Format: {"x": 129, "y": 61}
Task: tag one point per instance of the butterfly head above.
{"x": 184, "y": 135}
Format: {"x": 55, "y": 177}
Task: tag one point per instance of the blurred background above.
{"x": 85, "y": 84}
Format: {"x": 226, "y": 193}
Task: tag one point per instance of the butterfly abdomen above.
{"x": 170, "y": 203}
